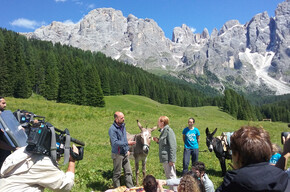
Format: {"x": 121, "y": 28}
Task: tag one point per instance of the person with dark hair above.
{"x": 199, "y": 169}
{"x": 120, "y": 150}
{"x": 191, "y": 141}
{"x": 5, "y": 149}
{"x": 167, "y": 148}
{"x": 251, "y": 152}
{"x": 26, "y": 171}
{"x": 150, "y": 184}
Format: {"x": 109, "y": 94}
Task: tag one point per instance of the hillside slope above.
{"x": 91, "y": 124}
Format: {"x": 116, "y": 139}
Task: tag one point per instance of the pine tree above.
{"x": 4, "y": 69}
{"x": 95, "y": 95}
{"x": 52, "y": 77}
{"x": 67, "y": 88}
{"x": 22, "y": 87}
{"x": 104, "y": 77}
{"x": 81, "y": 92}
{"x": 8, "y": 81}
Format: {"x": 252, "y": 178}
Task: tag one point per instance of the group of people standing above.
{"x": 167, "y": 148}
{"x": 251, "y": 152}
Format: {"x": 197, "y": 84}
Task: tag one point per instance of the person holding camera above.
{"x": 5, "y": 149}
{"x": 120, "y": 150}
{"x": 25, "y": 171}
{"x": 282, "y": 162}
{"x": 251, "y": 152}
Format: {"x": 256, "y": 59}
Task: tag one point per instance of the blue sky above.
{"x": 28, "y": 15}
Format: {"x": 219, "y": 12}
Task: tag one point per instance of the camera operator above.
{"x": 282, "y": 162}
{"x": 5, "y": 149}
{"x": 24, "y": 171}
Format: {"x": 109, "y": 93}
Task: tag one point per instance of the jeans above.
{"x": 186, "y": 158}
{"x": 120, "y": 161}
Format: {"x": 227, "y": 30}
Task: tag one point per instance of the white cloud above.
{"x": 91, "y": 6}
{"x": 60, "y": 0}
{"x": 68, "y": 22}
{"x": 78, "y": 2}
{"x": 26, "y": 23}
{"x": 192, "y": 29}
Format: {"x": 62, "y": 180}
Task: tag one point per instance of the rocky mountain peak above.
{"x": 250, "y": 57}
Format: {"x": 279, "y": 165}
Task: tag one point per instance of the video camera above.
{"x": 27, "y": 119}
{"x": 45, "y": 139}
{"x": 284, "y": 134}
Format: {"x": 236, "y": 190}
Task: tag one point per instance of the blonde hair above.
{"x": 164, "y": 119}
{"x": 188, "y": 184}
{"x": 276, "y": 148}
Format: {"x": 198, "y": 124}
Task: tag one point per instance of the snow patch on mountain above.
{"x": 261, "y": 64}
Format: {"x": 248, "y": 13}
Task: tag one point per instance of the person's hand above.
{"x": 286, "y": 147}
{"x": 155, "y": 139}
{"x": 170, "y": 163}
{"x": 75, "y": 150}
{"x": 131, "y": 142}
{"x": 128, "y": 153}
{"x": 160, "y": 185}
{"x": 161, "y": 182}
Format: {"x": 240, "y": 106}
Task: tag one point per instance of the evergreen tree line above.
{"x": 71, "y": 75}
{"x": 240, "y": 108}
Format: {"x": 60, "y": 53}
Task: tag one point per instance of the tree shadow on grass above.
{"x": 102, "y": 186}
{"x": 178, "y": 173}
{"x": 214, "y": 172}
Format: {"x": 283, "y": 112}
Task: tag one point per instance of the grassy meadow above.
{"x": 91, "y": 124}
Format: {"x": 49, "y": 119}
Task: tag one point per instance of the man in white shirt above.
{"x": 24, "y": 171}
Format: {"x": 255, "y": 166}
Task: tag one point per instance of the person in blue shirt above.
{"x": 120, "y": 150}
{"x": 276, "y": 154}
{"x": 191, "y": 143}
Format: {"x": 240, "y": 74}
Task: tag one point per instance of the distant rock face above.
{"x": 250, "y": 57}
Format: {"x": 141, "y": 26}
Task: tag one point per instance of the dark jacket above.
{"x": 118, "y": 137}
{"x": 255, "y": 177}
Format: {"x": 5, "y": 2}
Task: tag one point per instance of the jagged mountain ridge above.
{"x": 250, "y": 57}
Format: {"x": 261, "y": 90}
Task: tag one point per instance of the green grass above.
{"x": 91, "y": 124}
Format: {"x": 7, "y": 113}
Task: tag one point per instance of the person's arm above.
{"x": 172, "y": 147}
{"x": 172, "y": 182}
{"x": 183, "y": 137}
{"x": 208, "y": 184}
{"x": 71, "y": 163}
{"x": 282, "y": 162}
{"x": 5, "y": 146}
{"x": 160, "y": 187}
{"x": 156, "y": 139}
{"x": 198, "y": 136}
{"x": 115, "y": 141}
